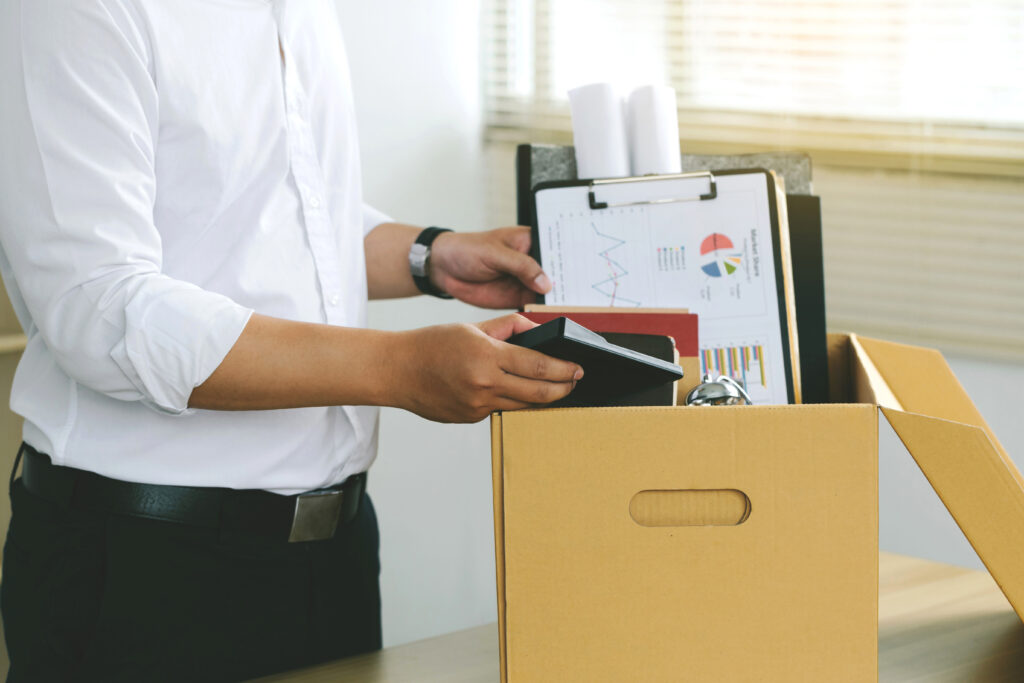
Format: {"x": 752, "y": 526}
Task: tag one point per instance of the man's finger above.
{"x": 534, "y": 365}
{"x": 523, "y": 267}
{"x": 504, "y": 327}
{"x": 532, "y": 391}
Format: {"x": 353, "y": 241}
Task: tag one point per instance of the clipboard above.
{"x": 714, "y": 242}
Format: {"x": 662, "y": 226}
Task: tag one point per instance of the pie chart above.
{"x": 719, "y": 255}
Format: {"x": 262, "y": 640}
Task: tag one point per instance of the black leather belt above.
{"x": 310, "y": 516}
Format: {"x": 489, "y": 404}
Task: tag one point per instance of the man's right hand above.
{"x": 462, "y": 373}
{"x": 448, "y": 373}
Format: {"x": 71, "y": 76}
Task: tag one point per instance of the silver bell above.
{"x": 724, "y": 391}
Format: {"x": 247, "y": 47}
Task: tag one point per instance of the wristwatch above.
{"x": 419, "y": 262}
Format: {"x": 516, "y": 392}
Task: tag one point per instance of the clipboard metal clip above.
{"x": 711, "y": 193}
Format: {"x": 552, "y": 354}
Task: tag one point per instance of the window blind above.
{"x": 912, "y": 110}
{"x": 913, "y": 83}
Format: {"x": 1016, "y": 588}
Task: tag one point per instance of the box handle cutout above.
{"x": 690, "y": 507}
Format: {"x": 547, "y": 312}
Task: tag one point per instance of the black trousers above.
{"x": 89, "y": 596}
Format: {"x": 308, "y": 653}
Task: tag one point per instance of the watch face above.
{"x": 418, "y": 255}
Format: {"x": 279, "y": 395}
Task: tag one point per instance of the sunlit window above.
{"x": 896, "y": 60}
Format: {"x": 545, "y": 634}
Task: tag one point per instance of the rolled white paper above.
{"x": 652, "y": 118}
{"x": 599, "y": 132}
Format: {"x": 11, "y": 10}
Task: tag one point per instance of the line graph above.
{"x": 616, "y": 271}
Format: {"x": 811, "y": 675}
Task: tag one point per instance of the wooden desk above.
{"x": 936, "y": 623}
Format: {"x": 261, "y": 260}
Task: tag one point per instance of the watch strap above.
{"x": 419, "y": 262}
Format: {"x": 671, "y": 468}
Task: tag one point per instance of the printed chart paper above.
{"x": 714, "y": 257}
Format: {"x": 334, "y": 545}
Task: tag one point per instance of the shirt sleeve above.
{"x": 77, "y": 191}
{"x": 372, "y": 218}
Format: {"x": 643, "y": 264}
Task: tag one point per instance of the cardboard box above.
{"x": 731, "y": 544}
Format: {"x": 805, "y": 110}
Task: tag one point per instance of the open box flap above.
{"x": 979, "y": 486}
{"x": 918, "y": 380}
{"x": 866, "y": 381}
{"x": 954, "y": 447}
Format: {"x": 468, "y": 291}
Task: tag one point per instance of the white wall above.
{"x": 416, "y": 79}
{"x": 415, "y": 68}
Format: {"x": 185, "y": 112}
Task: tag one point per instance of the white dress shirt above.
{"x": 167, "y": 169}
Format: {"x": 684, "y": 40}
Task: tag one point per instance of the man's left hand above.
{"x": 488, "y": 269}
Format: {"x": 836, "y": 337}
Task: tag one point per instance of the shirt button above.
{"x": 333, "y": 300}
{"x": 314, "y": 201}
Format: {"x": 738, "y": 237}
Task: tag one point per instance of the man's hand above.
{"x": 488, "y": 269}
{"x": 462, "y": 373}
{"x": 450, "y": 373}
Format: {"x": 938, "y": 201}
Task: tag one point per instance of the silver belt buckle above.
{"x": 316, "y": 516}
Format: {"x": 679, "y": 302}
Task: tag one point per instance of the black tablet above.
{"x": 609, "y": 371}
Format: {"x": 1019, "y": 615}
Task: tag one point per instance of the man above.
{"x": 182, "y": 235}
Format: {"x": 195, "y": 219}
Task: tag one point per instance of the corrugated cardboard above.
{"x": 958, "y": 453}
{"x": 620, "y": 557}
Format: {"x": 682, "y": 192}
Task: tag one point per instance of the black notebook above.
{"x": 612, "y": 375}
{"x": 658, "y": 345}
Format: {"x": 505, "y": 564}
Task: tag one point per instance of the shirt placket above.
{"x": 309, "y": 179}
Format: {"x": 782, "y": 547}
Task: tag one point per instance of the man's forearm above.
{"x": 491, "y": 269}
{"x": 451, "y": 373}
{"x": 284, "y": 364}
{"x": 387, "y": 260}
